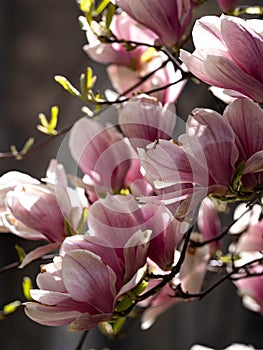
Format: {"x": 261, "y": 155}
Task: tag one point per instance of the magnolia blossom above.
{"x": 168, "y": 20}
{"x": 246, "y": 120}
{"x": 143, "y": 120}
{"x": 8, "y": 182}
{"x": 130, "y": 67}
{"x": 37, "y": 207}
{"x": 82, "y": 287}
{"x": 38, "y": 211}
{"x": 209, "y": 154}
{"x": 227, "y": 5}
{"x": 228, "y": 54}
{"x": 116, "y": 218}
{"x": 106, "y": 158}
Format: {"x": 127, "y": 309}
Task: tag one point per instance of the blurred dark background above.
{"x": 39, "y": 39}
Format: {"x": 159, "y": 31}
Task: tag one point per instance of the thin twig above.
{"x": 82, "y": 340}
{"x": 221, "y": 235}
{"x": 10, "y": 266}
{"x": 36, "y": 147}
{"x": 236, "y": 269}
{"x": 166, "y": 278}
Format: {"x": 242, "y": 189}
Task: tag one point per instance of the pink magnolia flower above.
{"x": 129, "y": 67}
{"x": 35, "y": 214}
{"x": 82, "y": 301}
{"x": 116, "y": 218}
{"x": 209, "y": 223}
{"x": 168, "y": 20}
{"x": 143, "y": 120}
{"x": 212, "y": 142}
{"x": 227, "y": 5}
{"x": 106, "y": 158}
{"x": 246, "y": 120}
{"x": 171, "y": 166}
{"x": 41, "y": 211}
{"x": 82, "y": 287}
{"x": 228, "y": 54}
{"x": 37, "y": 207}
{"x": 8, "y": 182}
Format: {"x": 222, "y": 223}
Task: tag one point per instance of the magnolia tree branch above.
{"x": 165, "y": 279}
{"x": 36, "y": 147}
{"x": 230, "y": 275}
{"x": 82, "y": 340}
{"x": 221, "y": 235}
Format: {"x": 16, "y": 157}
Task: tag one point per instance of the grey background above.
{"x": 39, "y": 39}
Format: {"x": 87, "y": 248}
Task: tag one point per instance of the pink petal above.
{"x": 122, "y": 78}
{"x": 135, "y": 252}
{"x": 144, "y": 120}
{"x": 10, "y": 180}
{"x": 246, "y": 119}
{"x": 86, "y": 321}
{"x": 207, "y": 36}
{"x": 252, "y": 240}
{"x": 254, "y": 164}
{"x": 163, "y": 246}
{"x": 195, "y": 64}
{"x": 194, "y": 267}
{"x": 227, "y": 5}
{"x": 115, "y": 219}
{"x": 29, "y": 203}
{"x": 162, "y": 302}
{"x": 50, "y": 277}
{"x": 88, "y": 279}
{"x": 133, "y": 282}
{"x": 49, "y": 315}
{"x": 209, "y": 223}
{"x": 168, "y": 21}
{"x": 213, "y": 141}
{"x": 38, "y": 253}
{"x": 96, "y": 148}
{"x": 97, "y": 246}
{"x": 251, "y": 291}
{"x": 56, "y": 174}
{"x": 49, "y": 297}
{"x": 244, "y": 45}
{"x": 19, "y": 229}
{"x": 224, "y": 73}
{"x": 168, "y": 164}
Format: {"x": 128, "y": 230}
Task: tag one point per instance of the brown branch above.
{"x": 82, "y": 340}
{"x": 221, "y": 235}
{"x": 10, "y": 266}
{"x": 165, "y": 279}
{"x": 236, "y": 269}
{"x": 36, "y": 147}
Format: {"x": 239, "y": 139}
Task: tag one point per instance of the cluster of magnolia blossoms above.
{"x": 124, "y": 230}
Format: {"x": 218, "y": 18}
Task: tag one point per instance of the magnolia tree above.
{"x": 137, "y": 226}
